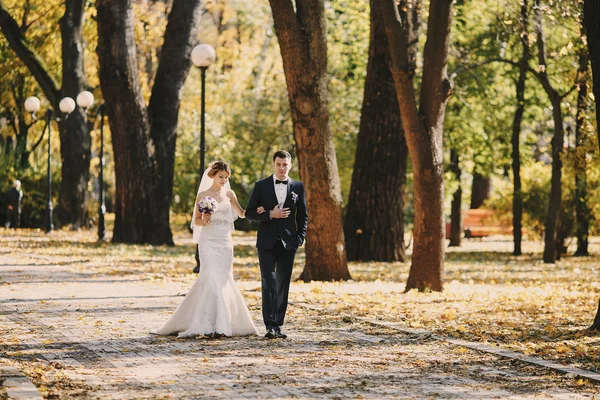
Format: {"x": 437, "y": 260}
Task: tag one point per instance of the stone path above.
{"x": 86, "y": 335}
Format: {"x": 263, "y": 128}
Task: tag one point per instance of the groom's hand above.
{"x": 277, "y": 212}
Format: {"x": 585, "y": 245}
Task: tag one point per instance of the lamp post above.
{"x": 203, "y": 56}
{"x": 66, "y": 106}
{"x": 85, "y": 100}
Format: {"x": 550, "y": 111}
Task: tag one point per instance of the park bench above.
{"x": 479, "y": 223}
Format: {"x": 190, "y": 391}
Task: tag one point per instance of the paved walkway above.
{"x": 78, "y": 333}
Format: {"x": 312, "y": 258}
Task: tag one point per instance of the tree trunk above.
{"x": 374, "y": 226}
{"x": 596, "y": 325}
{"x": 75, "y": 139}
{"x": 591, "y": 20}
{"x": 516, "y": 133}
{"x": 582, "y": 211}
{"x": 551, "y": 223}
{"x": 171, "y": 74}
{"x": 456, "y": 226}
{"x": 480, "y": 190}
{"x": 75, "y": 142}
{"x": 423, "y": 127}
{"x": 302, "y": 36}
{"x": 143, "y": 138}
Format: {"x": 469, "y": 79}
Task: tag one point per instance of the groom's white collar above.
{"x": 275, "y": 179}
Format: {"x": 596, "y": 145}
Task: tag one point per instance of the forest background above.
{"x": 248, "y": 112}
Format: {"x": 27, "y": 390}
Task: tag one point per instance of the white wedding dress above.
{"x": 214, "y": 304}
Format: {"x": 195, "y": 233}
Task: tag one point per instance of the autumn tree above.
{"x": 582, "y": 209}
{"x": 374, "y": 222}
{"x": 423, "y": 128}
{"x": 74, "y": 135}
{"x": 143, "y": 136}
{"x": 302, "y": 34}
{"x": 551, "y": 223}
{"x": 14, "y": 89}
{"x": 516, "y": 130}
{"x": 591, "y": 18}
{"x": 456, "y": 225}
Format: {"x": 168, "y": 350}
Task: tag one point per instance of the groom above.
{"x": 281, "y": 231}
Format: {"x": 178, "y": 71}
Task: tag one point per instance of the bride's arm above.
{"x": 199, "y": 219}
{"x": 236, "y": 204}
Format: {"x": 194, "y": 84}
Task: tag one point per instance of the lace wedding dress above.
{"x": 214, "y": 304}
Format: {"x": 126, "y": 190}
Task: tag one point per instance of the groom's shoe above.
{"x": 271, "y": 334}
{"x": 280, "y": 335}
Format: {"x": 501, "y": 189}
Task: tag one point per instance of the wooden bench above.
{"x": 479, "y": 223}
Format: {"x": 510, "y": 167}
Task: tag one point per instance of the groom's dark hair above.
{"x": 281, "y": 154}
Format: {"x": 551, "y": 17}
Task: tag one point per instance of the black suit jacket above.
{"x": 291, "y": 230}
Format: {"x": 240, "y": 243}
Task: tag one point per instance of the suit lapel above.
{"x": 271, "y": 190}
{"x": 289, "y": 190}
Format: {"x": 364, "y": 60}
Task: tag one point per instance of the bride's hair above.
{"x": 217, "y": 166}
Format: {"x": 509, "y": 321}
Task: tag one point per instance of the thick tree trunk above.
{"x": 423, "y": 127}
{"x": 173, "y": 69}
{"x": 591, "y": 19}
{"x": 456, "y": 227}
{"x": 133, "y": 150}
{"x": 75, "y": 142}
{"x": 374, "y": 226}
{"x": 582, "y": 211}
{"x": 75, "y": 139}
{"x": 516, "y": 133}
{"x": 480, "y": 190}
{"x": 303, "y": 44}
{"x": 143, "y": 138}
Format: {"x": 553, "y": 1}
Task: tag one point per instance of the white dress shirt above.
{"x": 280, "y": 190}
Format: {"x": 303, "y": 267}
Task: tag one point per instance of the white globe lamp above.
{"x": 67, "y": 105}
{"x": 32, "y": 104}
{"x": 85, "y": 99}
{"x": 203, "y": 55}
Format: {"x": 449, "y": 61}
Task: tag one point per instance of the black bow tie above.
{"x": 278, "y": 181}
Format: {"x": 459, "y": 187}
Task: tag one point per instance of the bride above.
{"x": 214, "y": 306}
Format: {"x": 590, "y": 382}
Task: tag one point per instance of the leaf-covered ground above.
{"x": 491, "y": 297}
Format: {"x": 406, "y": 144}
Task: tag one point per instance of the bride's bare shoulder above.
{"x": 202, "y": 194}
{"x": 231, "y": 194}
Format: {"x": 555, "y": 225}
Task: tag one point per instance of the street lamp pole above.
{"x": 203, "y": 56}
{"x": 202, "y": 114}
{"x": 49, "y": 225}
{"x": 102, "y": 208}
{"x": 66, "y": 106}
{"x": 85, "y": 100}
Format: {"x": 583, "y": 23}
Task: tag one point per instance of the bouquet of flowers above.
{"x": 207, "y": 205}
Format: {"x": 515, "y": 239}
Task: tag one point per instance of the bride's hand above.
{"x": 260, "y": 210}
{"x": 206, "y": 218}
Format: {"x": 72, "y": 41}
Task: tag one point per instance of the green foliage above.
{"x": 247, "y": 106}
{"x": 35, "y": 189}
{"x": 536, "y": 190}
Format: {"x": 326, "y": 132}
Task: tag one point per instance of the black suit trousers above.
{"x": 276, "y": 266}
